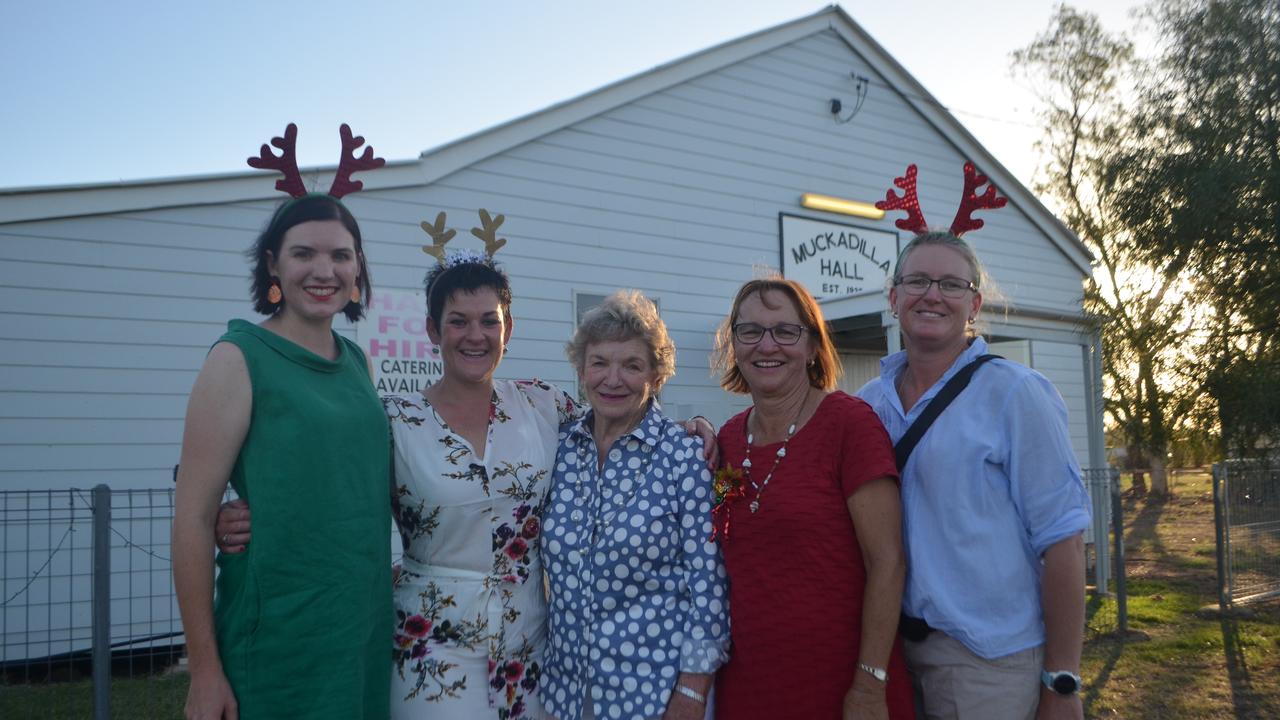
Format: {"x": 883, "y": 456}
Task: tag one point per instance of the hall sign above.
{"x": 393, "y": 334}
{"x": 834, "y": 259}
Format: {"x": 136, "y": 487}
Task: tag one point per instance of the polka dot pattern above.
{"x": 637, "y": 589}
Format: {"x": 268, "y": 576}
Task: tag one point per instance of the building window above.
{"x": 582, "y": 302}
{"x": 1018, "y": 351}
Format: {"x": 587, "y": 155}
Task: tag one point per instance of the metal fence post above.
{"x": 1220, "y": 535}
{"x": 101, "y": 603}
{"x": 1100, "y": 496}
{"x": 1117, "y": 520}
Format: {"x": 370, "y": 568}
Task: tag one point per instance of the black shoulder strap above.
{"x": 957, "y": 383}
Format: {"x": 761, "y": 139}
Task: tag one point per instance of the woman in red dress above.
{"x": 810, "y": 525}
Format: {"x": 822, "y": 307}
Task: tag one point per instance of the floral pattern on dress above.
{"x": 471, "y": 609}
{"x": 514, "y": 679}
{"x": 416, "y": 634}
{"x": 414, "y": 520}
{"x": 514, "y": 545}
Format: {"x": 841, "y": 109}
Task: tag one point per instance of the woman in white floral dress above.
{"x": 472, "y": 461}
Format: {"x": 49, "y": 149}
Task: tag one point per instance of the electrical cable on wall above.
{"x": 836, "y": 105}
{"x": 860, "y": 96}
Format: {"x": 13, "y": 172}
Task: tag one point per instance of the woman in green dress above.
{"x": 285, "y": 411}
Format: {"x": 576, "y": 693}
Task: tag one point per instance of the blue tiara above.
{"x": 454, "y": 258}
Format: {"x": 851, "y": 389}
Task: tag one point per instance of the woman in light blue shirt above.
{"x": 993, "y": 506}
{"x": 639, "y": 621}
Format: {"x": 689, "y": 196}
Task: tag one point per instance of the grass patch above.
{"x": 1196, "y": 563}
{"x": 1179, "y": 661}
{"x": 1154, "y": 603}
{"x": 1209, "y": 551}
{"x": 149, "y": 696}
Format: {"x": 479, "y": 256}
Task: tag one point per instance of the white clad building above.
{"x": 680, "y": 182}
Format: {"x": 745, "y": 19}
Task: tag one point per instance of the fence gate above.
{"x": 1246, "y": 513}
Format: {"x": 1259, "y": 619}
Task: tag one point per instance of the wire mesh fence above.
{"x": 89, "y": 622}
{"x": 1246, "y": 504}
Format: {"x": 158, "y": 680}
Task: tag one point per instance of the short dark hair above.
{"x": 444, "y": 282}
{"x": 315, "y": 206}
{"x": 826, "y": 368}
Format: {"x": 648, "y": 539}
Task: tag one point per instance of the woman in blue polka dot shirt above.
{"x": 639, "y": 621}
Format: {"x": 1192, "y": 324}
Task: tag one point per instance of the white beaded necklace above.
{"x": 782, "y": 452}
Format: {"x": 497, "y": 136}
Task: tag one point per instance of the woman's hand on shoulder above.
{"x": 702, "y": 427}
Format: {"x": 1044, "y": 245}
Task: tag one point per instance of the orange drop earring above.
{"x": 355, "y": 294}
{"x": 274, "y": 296}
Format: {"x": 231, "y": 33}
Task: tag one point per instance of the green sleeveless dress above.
{"x": 303, "y": 617}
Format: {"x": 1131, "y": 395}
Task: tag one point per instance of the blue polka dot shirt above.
{"x": 637, "y": 587}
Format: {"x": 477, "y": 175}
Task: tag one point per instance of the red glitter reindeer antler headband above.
{"x": 287, "y": 163}
{"x": 970, "y": 200}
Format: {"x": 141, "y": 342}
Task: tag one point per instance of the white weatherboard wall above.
{"x": 106, "y": 318}
{"x": 859, "y": 368}
{"x": 1063, "y": 364}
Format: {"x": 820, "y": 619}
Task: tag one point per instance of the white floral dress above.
{"x": 470, "y": 605}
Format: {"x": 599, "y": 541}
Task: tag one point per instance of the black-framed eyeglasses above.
{"x": 949, "y": 286}
{"x": 749, "y": 333}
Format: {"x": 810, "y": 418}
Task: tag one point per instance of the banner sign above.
{"x": 393, "y": 334}
{"x": 834, "y": 259}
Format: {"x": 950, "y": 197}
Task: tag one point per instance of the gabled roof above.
{"x": 68, "y": 201}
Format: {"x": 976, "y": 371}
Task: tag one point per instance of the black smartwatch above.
{"x": 1063, "y": 682}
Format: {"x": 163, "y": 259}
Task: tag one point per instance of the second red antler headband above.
{"x": 970, "y": 200}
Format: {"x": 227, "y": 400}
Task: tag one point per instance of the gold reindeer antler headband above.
{"x": 488, "y": 232}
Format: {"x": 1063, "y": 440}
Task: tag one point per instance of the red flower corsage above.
{"x": 727, "y": 485}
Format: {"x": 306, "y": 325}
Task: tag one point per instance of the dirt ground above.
{"x": 1182, "y": 657}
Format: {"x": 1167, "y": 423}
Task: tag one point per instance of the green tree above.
{"x": 1079, "y": 72}
{"x": 1245, "y": 388}
{"x": 1199, "y": 180}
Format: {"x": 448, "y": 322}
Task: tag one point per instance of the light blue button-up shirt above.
{"x": 637, "y": 587}
{"x": 991, "y": 486}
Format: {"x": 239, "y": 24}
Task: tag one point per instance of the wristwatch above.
{"x": 878, "y": 673}
{"x": 1063, "y": 682}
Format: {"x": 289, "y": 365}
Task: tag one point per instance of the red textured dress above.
{"x": 795, "y": 569}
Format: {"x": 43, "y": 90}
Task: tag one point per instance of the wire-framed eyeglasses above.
{"x": 749, "y": 333}
{"x": 949, "y": 286}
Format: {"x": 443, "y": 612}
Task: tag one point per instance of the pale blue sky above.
{"x": 95, "y": 91}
